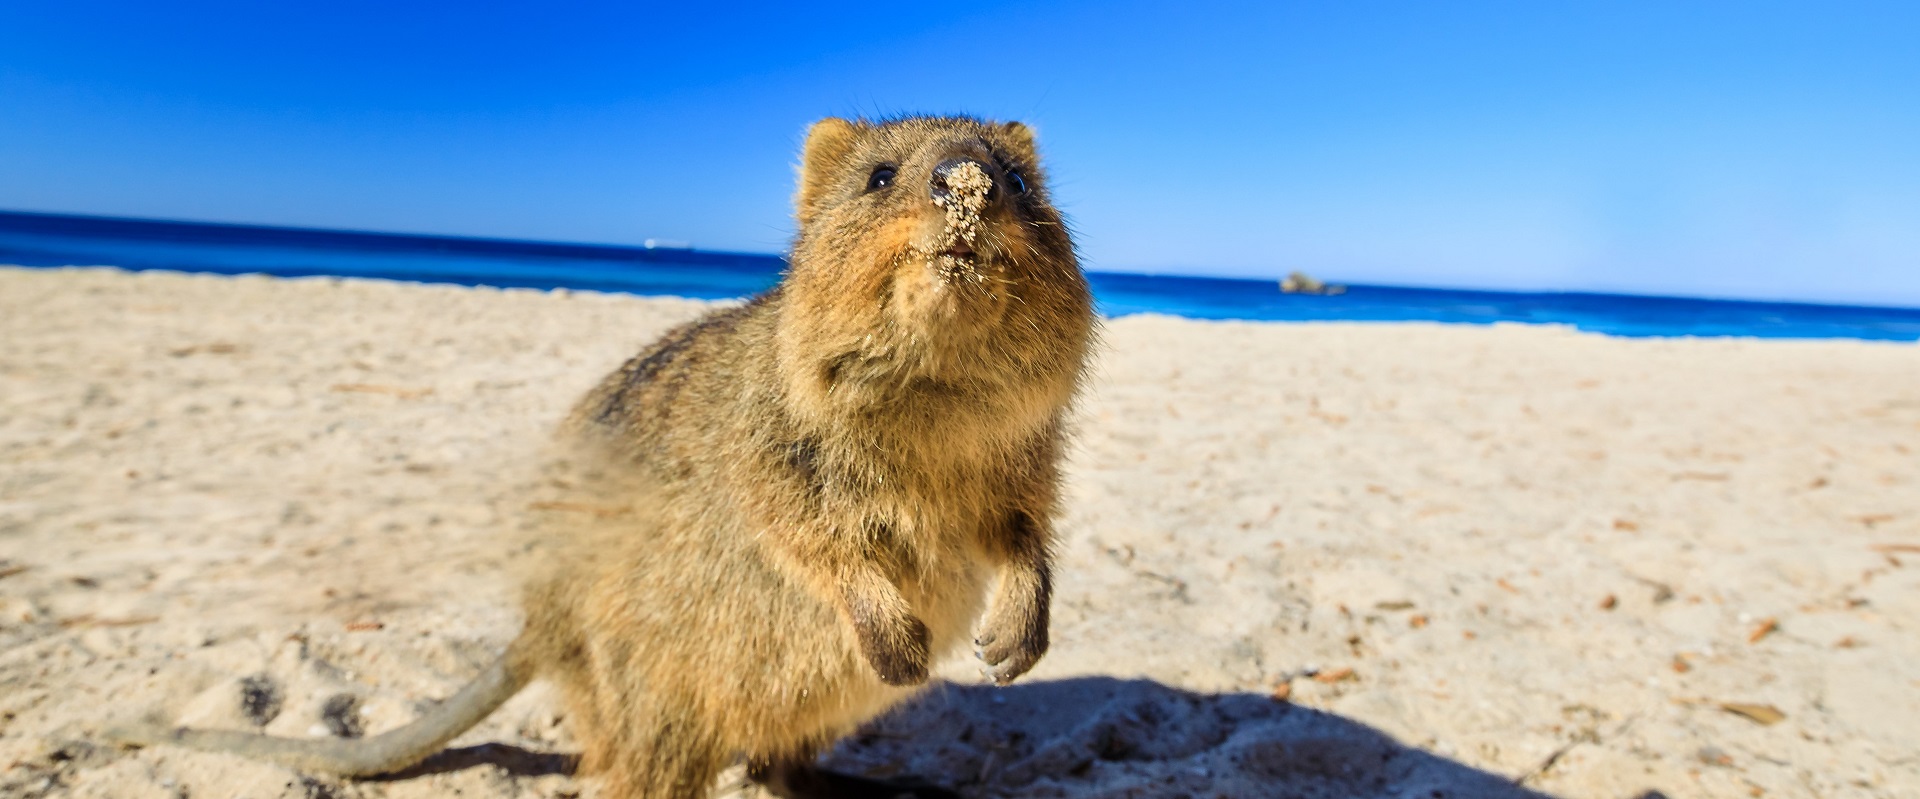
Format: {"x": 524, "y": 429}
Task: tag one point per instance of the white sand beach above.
{"x": 1310, "y": 560}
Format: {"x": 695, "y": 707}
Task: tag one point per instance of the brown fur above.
{"x": 833, "y": 477}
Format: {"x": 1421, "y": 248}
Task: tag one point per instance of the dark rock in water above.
{"x": 1303, "y": 283}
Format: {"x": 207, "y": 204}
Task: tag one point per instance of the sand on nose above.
{"x": 966, "y": 197}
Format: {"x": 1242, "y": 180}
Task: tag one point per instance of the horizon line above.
{"x": 695, "y": 250}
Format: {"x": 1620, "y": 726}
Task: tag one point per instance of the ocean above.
{"x": 50, "y": 240}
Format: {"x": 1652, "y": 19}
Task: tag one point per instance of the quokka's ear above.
{"x": 829, "y": 144}
{"x": 1021, "y": 137}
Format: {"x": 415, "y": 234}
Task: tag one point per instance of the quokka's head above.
{"x": 929, "y": 245}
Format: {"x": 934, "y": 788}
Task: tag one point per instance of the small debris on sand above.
{"x": 392, "y": 391}
{"x": 1765, "y": 715}
{"x": 261, "y": 699}
{"x": 340, "y": 714}
{"x": 600, "y": 511}
{"x": 1332, "y": 676}
{"x": 1714, "y": 756}
{"x": 1662, "y": 593}
{"x": 86, "y": 620}
{"x": 1766, "y": 627}
{"x": 216, "y": 348}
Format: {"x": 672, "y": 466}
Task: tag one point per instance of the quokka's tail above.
{"x": 352, "y": 757}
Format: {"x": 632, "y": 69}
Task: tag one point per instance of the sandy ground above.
{"x": 1299, "y": 560}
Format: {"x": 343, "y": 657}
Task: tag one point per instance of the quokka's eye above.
{"x": 1018, "y": 183}
{"x": 881, "y": 178}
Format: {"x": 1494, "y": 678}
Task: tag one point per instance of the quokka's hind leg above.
{"x": 652, "y": 755}
{"x": 799, "y": 778}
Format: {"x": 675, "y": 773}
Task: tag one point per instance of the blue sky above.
{"x": 1739, "y": 149}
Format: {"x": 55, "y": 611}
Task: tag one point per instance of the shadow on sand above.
{"x": 508, "y": 758}
{"x": 1098, "y": 736}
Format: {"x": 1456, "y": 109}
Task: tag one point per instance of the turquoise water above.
{"x": 60, "y": 240}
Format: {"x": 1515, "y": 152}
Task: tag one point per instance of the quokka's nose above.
{"x": 962, "y": 176}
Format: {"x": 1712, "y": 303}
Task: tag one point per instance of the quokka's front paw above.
{"x": 898, "y": 653}
{"x": 1009, "y": 647}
